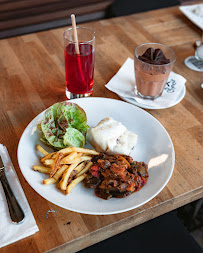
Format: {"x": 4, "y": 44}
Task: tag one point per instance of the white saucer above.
{"x": 145, "y": 106}
{"x": 192, "y": 63}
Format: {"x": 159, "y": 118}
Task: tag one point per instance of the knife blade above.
{"x": 16, "y": 213}
{"x": 1, "y": 163}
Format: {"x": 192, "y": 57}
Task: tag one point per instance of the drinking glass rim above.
{"x": 80, "y": 27}
{"x": 150, "y": 43}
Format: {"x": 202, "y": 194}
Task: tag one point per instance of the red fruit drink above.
{"x": 79, "y": 68}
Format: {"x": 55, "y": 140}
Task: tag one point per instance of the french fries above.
{"x": 42, "y": 169}
{"x": 64, "y": 181}
{"x": 79, "y": 167}
{"x": 56, "y": 164}
{"x": 49, "y": 162}
{"x": 69, "y": 158}
{"x": 82, "y": 150}
{"x": 74, "y": 183}
{"x": 86, "y": 168}
{"x": 66, "y": 168}
{"x": 60, "y": 172}
{"x": 50, "y": 180}
{"x": 48, "y": 156}
{"x": 41, "y": 150}
{"x": 56, "y": 176}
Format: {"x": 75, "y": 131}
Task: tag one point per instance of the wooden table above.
{"x": 32, "y": 78}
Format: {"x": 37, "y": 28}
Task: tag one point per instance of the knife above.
{"x": 15, "y": 210}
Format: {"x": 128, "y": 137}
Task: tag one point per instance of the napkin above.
{"x": 10, "y": 232}
{"x": 123, "y": 84}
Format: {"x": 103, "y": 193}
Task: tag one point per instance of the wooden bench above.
{"x": 24, "y": 16}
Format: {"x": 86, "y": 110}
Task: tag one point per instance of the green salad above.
{"x": 64, "y": 124}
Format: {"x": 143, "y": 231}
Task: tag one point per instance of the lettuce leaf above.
{"x": 64, "y": 124}
{"x": 51, "y": 132}
{"x": 73, "y": 115}
{"x": 73, "y": 138}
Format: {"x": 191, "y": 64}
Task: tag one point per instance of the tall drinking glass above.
{"x": 151, "y": 78}
{"x": 79, "y": 67}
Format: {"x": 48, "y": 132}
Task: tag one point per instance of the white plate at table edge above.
{"x": 145, "y": 106}
{"x": 79, "y": 191}
{"x": 186, "y": 10}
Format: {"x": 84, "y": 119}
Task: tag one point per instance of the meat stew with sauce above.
{"x": 115, "y": 176}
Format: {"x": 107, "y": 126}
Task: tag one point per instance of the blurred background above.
{"x": 18, "y": 17}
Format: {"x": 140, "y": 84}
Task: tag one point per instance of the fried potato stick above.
{"x": 49, "y": 156}
{"x": 86, "y": 151}
{"x": 88, "y": 165}
{"x": 56, "y": 164}
{"x": 41, "y": 150}
{"x": 56, "y": 177}
{"x": 81, "y": 150}
{"x": 54, "y": 156}
{"x": 78, "y": 160}
{"x": 74, "y": 183}
{"x": 86, "y": 158}
{"x": 60, "y": 171}
{"x": 49, "y": 181}
{"x": 49, "y": 162}
{"x": 76, "y": 171}
{"x": 42, "y": 169}
{"x": 64, "y": 181}
{"x": 66, "y": 151}
{"x": 80, "y": 167}
{"x": 67, "y": 159}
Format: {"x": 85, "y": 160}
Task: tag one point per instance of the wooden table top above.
{"x": 32, "y": 79}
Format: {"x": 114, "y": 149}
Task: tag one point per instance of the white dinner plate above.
{"x": 188, "y": 11}
{"x": 154, "y": 147}
{"x": 146, "y": 106}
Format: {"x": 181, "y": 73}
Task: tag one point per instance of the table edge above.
{"x": 127, "y": 223}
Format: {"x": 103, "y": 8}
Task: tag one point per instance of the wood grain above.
{"x": 21, "y": 13}
{"x": 32, "y": 78}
